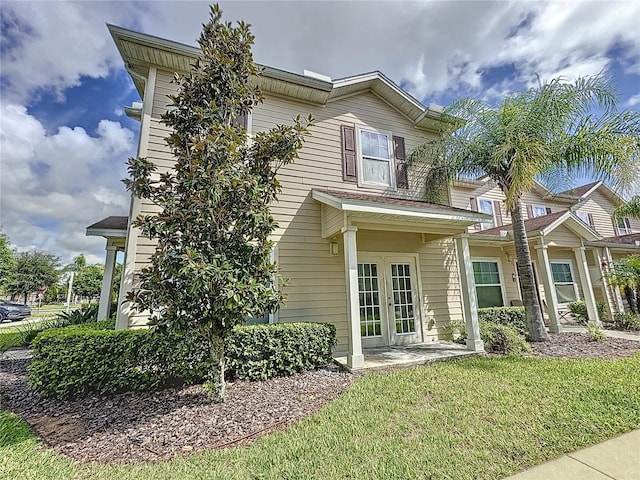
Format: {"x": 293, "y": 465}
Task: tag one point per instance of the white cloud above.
{"x": 54, "y": 186}
{"x": 52, "y": 45}
{"x": 633, "y": 101}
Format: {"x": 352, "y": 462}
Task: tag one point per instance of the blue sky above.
{"x": 65, "y": 139}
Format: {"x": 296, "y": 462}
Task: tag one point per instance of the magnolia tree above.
{"x": 212, "y": 269}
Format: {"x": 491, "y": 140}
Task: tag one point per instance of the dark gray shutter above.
{"x": 349, "y": 159}
{"x": 402, "y": 176}
{"x": 590, "y": 219}
{"x": 548, "y": 210}
{"x": 474, "y": 207}
{"x": 529, "y": 211}
{"x": 628, "y": 224}
{"x": 498, "y": 212}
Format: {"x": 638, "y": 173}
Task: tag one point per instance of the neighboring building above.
{"x": 359, "y": 247}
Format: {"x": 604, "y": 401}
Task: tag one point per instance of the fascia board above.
{"x": 361, "y": 206}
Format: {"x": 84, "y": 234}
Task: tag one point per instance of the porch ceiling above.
{"x": 372, "y": 212}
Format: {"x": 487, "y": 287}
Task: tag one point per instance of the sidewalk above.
{"x": 617, "y": 459}
{"x": 609, "y": 333}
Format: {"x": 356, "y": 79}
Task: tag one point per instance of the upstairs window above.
{"x": 486, "y": 206}
{"x": 376, "y": 160}
{"x": 538, "y": 210}
{"x": 623, "y": 226}
{"x": 585, "y": 217}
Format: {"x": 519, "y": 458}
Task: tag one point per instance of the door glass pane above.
{"x": 370, "y": 322}
{"x": 402, "y": 298}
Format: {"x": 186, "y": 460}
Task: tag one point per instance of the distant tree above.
{"x": 33, "y": 270}
{"x": 211, "y": 268}
{"x": 7, "y": 262}
{"x": 545, "y": 132}
{"x": 88, "y": 281}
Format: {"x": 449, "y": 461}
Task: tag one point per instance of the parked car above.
{"x": 13, "y": 311}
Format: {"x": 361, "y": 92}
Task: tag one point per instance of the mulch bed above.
{"x": 578, "y": 345}
{"x": 154, "y": 426}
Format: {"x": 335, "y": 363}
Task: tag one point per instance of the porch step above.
{"x": 405, "y": 356}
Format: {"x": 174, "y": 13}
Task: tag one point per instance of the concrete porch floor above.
{"x": 407, "y": 355}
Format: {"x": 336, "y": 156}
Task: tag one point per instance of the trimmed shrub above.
{"x": 502, "y": 339}
{"x": 512, "y": 317}
{"x": 499, "y": 338}
{"x": 627, "y": 321}
{"x": 579, "y": 310}
{"x": 259, "y": 352}
{"x": 75, "y": 361}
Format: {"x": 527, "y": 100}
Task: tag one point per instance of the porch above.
{"x": 410, "y": 355}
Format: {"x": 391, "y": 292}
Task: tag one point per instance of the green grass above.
{"x": 480, "y": 418}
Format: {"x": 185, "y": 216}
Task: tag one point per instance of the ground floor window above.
{"x": 563, "y": 281}
{"x": 488, "y": 285}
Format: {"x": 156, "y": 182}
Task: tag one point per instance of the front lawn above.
{"x": 482, "y": 418}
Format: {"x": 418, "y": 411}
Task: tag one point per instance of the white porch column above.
{"x": 355, "y": 358}
{"x": 107, "y": 282}
{"x": 469, "y": 298}
{"x": 617, "y": 297}
{"x": 607, "y": 292}
{"x": 549, "y": 288}
{"x": 587, "y": 287}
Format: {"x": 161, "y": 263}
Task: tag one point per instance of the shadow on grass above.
{"x": 13, "y": 430}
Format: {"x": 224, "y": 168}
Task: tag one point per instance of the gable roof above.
{"x": 140, "y": 51}
{"x": 631, "y": 240}
{"x": 580, "y": 191}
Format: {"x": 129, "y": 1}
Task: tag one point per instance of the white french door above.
{"x": 388, "y": 294}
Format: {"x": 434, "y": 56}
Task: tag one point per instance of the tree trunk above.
{"x": 628, "y": 295}
{"x": 216, "y": 385}
{"x": 533, "y": 313}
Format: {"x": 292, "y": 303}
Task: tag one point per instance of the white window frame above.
{"x": 533, "y": 210}
{"x": 392, "y": 169}
{"x": 485, "y": 225}
{"x": 500, "y": 274}
{"x": 584, "y": 216}
{"x": 624, "y": 230}
{"x": 573, "y": 277}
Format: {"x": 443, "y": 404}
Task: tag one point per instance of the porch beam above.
{"x": 107, "y": 282}
{"x": 469, "y": 298}
{"x": 355, "y": 358}
{"x": 587, "y": 286}
{"x": 549, "y": 287}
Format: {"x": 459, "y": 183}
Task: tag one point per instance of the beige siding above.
{"x": 561, "y": 236}
{"x": 601, "y": 208}
{"x": 316, "y": 280}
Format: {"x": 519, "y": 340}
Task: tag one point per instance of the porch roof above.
{"x": 631, "y": 241}
{"x": 385, "y": 212}
{"x": 544, "y": 225}
{"x": 110, "y": 227}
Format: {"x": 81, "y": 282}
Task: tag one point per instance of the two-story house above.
{"x": 359, "y": 247}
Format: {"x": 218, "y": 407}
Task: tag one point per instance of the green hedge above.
{"x": 579, "y": 310}
{"x": 499, "y": 338}
{"x": 259, "y": 352}
{"x": 513, "y": 317}
{"x": 75, "y": 361}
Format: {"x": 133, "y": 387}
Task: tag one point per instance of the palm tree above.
{"x": 546, "y": 132}
{"x": 626, "y": 274}
{"x": 628, "y": 209}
